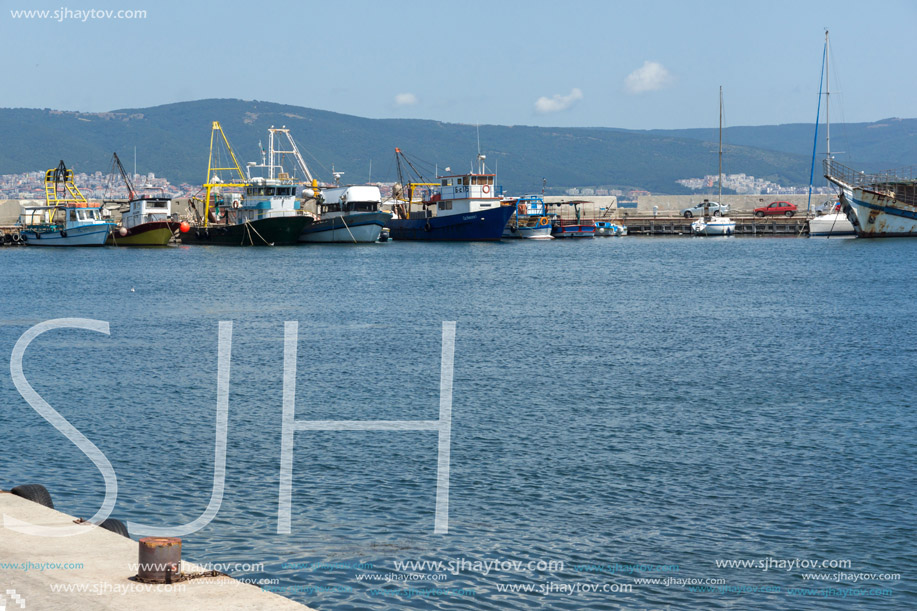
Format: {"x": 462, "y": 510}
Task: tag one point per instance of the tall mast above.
{"x": 720, "y": 180}
{"x": 827, "y": 99}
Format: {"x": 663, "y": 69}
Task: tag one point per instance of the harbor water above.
{"x": 733, "y": 418}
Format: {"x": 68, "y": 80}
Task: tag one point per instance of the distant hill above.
{"x": 173, "y": 141}
{"x": 885, "y": 144}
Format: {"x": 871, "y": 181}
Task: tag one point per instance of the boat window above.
{"x": 73, "y": 215}
{"x": 465, "y": 181}
{"x": 445, "y": 205}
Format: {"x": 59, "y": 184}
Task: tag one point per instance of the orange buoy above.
{"x": 184, "y": 227}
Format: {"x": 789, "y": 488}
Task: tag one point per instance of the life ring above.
{"x": 236, "y": 203}
{"x": 523, "y": 209}
{"x": 543, "y": 221}
{"x": 486, "y": 188}
{"x": 427, "y": 226}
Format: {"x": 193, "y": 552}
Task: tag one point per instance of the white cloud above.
{"x": 651, "y": 76}
{"x": 405, "y": 99}
{"x": 557, "y": 102}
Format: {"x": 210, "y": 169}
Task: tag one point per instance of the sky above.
{"x": 652, "y": 64}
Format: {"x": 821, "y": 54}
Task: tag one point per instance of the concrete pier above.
{"x": 795, "y": 226}
{"x": 95, "y": 571}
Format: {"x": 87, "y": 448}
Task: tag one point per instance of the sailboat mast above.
{"x": 827, "y": 98}
{"x": 720, "y": 180}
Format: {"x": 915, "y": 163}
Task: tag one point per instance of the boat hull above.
{"x": 84, "y": 235}
{"x": 878, "y": 215}
{"x": 274, "y": 231}
{"x": 716, "y": 227}
{"x": 359, "y": 227}
{"x": 541, "y": 232}
{"x": 835, "y": 224}
{"x": 486, "y": 225}
{"x": 155, "y": 233}
{"x": 574, "y": 231}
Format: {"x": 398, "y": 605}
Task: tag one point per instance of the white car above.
{"x": 698, "y": 209}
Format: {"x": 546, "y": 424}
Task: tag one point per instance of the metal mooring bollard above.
{"x": 160, "y": 559}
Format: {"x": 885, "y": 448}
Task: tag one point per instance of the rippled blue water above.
{"x": 671, "y": 402}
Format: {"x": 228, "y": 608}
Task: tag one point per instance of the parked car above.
{"x": 784, "y": 208}
{"x": 698, "y": 209}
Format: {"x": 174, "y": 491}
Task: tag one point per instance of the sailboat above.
{"x": 716, "y": 225}
{"x": 880, "y": 205}
{"x": 833, "y": 222}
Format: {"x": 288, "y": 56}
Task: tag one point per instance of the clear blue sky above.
{"x": 636, "y": 65}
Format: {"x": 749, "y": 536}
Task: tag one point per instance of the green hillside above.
{"x": 173, "y": 141}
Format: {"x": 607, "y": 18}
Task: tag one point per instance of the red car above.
{"x": 784, "y": 208}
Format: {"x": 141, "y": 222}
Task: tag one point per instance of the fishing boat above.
{"x": 881, "y": 205}
{"x": 609, "y": 229}
{"x": 577, "y": 227}
{"x": 530, "y": 219}
{"x": 831, "y": 220}
{"x": 147, "y": 220}
{"x": 460, "y": 207}
{"x": 348, "y": 214}
{"x": 67, "y": 219}
{"x": 244, "y": 212}
{"x": 715, "y": 225}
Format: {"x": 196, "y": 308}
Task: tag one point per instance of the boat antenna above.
{"x": 827, "y": 100}
{"x": 821, "y": 80}
{"x": 720, "y": 180}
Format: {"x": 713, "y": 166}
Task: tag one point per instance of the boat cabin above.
{"x": 530, "y": 205}
{"x": 465, "y": 193}
{"x": 349, "y": 200}
{"x": 265, "y": 198}
{"x": 64, "y": 216}
{"x": 147, "y": 210}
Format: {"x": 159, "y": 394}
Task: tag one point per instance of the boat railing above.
{"x": 854, "y": 178}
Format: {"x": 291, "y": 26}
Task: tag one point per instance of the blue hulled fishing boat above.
{"x": 460, "y": 207}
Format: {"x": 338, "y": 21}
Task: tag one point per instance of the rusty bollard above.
{"x": 160, "y": 559}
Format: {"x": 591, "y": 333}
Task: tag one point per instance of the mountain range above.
{"x": 173, "y": 141}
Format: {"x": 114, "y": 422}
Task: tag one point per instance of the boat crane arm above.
{"x": 131, "y": 194}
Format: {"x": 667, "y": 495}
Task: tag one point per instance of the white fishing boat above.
{"x": 530, "y": 221}
{"x": 348, "y": 214}
{"x": 67, "y": 219}
{"x": 712, "y": 225}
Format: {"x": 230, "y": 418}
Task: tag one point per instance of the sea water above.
{"x": 637, "y": 423}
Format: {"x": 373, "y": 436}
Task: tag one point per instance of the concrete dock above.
{"x": 795, "y": 226}
{"x": 95, "y": 570}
